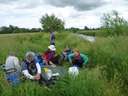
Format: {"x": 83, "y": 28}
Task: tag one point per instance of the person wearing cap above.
{"x": 12, "y": 69}
{"x": 30, "y": 68}
{"x": 78, "y": 59}
{"x": 50, "y": 57}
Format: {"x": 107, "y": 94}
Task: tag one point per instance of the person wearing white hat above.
{"x": 52, "y": 48}
{"x": 50, "y": 57}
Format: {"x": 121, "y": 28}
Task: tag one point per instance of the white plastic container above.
{"x": 49, "y": 74}
{"x": 74, "y": 71}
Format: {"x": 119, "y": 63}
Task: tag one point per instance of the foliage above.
{"x": 113, "y": 24}
{"x": 51, "y": 23}
{"x": 111, "y": 55}
{"x": 15, "y": 29}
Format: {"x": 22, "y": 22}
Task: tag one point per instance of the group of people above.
{"x": 36, "y": 66}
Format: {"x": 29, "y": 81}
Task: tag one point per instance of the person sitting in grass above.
{"x": 30, "y": 68}
{"x": 50, "y": 57}
{"x": 65, "y": 53}
{"x": 12, "y": 69}
{"x": 78, "y": 59}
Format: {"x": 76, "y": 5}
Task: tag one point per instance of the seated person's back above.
{"x": 12, "y": 69}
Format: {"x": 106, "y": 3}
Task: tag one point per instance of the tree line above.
{"x": 112, "y": 24}
{"x": 49, "y": 23}
{"x": 16, "y": 29}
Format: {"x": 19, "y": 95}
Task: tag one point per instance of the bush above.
{"x": 113, "y": 24}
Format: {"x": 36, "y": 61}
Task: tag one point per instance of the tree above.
{"x": 114, "y": 24}
{"x": 51, "y": 23}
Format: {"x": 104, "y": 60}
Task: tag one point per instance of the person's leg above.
{"x": 78, "y": 63}
{"x": 13, "y": 78}
{"x": 74, "y": 63}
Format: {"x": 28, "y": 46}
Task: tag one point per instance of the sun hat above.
{"x": 52, "y": 47}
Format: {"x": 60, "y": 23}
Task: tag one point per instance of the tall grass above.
{"x": 111, "y": 55}
{"x": 86, "y": 84}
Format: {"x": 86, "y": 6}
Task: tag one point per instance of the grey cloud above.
{"x": 22, "y": 4}
{"x": 28, "y": 5}
{"x": 7, "y": 1}
{"x": 77, "y": 4}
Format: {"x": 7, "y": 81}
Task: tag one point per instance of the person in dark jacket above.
{"x": 52, "y": 38}
{"x": 31, "y": 69}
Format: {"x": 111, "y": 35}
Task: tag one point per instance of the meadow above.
{"x": 105, "y": 75}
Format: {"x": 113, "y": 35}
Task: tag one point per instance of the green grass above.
{"x": 111, "y": 54}
{"x": 106, "y": 74}
{"x": 21, "y": 43}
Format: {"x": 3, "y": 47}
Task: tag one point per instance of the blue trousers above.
{"x": 13, "y": 78}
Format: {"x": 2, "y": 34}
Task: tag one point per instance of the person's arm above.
{"x": 38, "y": 68}
{"x": 37, "y": 76}
{"x": 85, "y": 58}
{"x": 26, "y": 73}
{"x": 70, "y": 56}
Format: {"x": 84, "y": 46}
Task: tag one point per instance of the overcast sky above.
{"x": 75, "y": 13}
